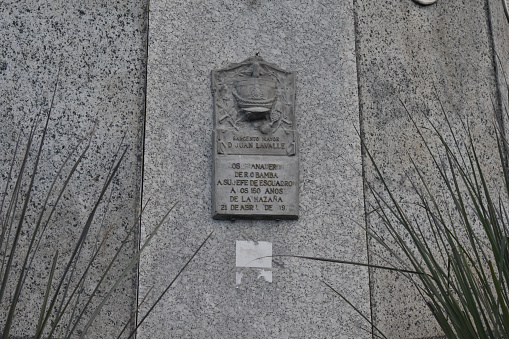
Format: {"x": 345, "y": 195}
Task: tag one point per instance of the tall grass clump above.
{"x": 455, "y": 237}
{"x": 452, "y": 243}
{"x": 66, "y": 308}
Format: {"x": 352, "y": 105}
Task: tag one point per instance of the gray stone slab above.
{"x": 405, "y": 51}
{"x": 100, "y": 48}
{"x": 214, "y": 297}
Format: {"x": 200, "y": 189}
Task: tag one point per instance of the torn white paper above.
{"x": 267, "y": 275}
{"x": 254, "y": 254}
{"x": 238, "y": 277}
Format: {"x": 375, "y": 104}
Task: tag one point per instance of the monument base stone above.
{"x": 214, "y": 143}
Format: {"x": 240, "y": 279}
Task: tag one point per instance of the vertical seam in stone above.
{"x": 498, "y": 106}
{"x": 144, "y": 115}
{"x": 355, "y": 7}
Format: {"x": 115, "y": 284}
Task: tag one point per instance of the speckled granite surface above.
{"x": 404, "y": 52}
{"x": 101, "y": 48}
{"x": 187, "y": 40}
{"x": 383, "y": 51}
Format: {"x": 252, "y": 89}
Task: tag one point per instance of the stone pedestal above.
{"x": 219, "y": 295}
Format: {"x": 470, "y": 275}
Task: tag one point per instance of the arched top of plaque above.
{"x": 254, "y": 98}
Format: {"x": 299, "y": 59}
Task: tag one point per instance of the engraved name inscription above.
{"x": 256, "y": 187}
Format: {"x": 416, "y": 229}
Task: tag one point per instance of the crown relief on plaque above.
{"x": 254, "y": 100}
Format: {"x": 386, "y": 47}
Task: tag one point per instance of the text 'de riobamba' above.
{"x": 256, "y": 162}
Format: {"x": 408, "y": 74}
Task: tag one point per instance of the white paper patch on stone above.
{"x": 265, "y": 274}
{"x": 254, "y": 254}
{"x": 238, "y": 278}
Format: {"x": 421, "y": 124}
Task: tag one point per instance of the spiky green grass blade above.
{"x": 356, "y": 309}
{"x": 80, "y": 241}
{"x": 47, "y": 293}
{"x": 131, "y": 264}
{"x": 9, "y": 219}
{"x": 133, "y": 315}
{"x": 453, "y": 247}
{"x": 15, "y": 298}
{"x": 169, "y": 285}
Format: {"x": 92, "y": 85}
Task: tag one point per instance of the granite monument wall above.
{"x": 429, "y": 62}
{"x": 94, "y": 54}
{"x": 143, "y": 77}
